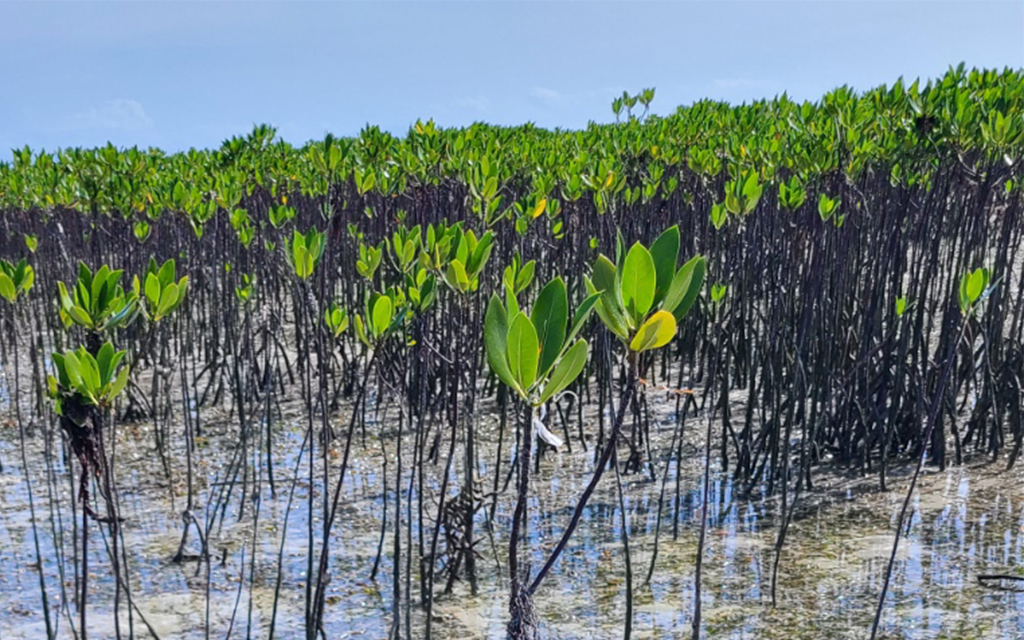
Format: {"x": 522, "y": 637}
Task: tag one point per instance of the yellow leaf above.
{"x": 608, "y": 180}
{"x": 539, "y": 209}
{"x": 659, "y": 329}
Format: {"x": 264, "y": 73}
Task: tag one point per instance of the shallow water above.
{"x": 965, "y": 522}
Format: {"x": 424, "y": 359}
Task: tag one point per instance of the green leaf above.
{"x": 182, "y": 288}
{"x": 72, "y": 368}
{"x": 567, "y": 370}
{"x": 303, "y": 262}
{"x": 665, "y": 252}
{"x": 28, "y": 280}
{"x": 119, "y": 384}
{"x": 84, "y": 275}
{"x": 638, "y": 282}
{"x": 523, "y": 352}
{"x": 975, "y": 285}
{"x": 114, "y": 362}
{"x": 6, "y": 287}
{"x": 456, "y": 276}
{"x": 511, "y": 302}
{"x": 481, "y": 253}
{"x": 99, "y": 283}
{"x": 62, "y": 374}
{"x": 361, "y": 331}
{"x": 685, "y": 287}
{"x": 550, "y": 316}
{"x": 90, "y": 372}
{"x": 495, "y": 337}
{"x": 79, "y": 315}
{"x": 382, "y": 313}
{"x": 166, "y": 274}
{"x": 152, "y": 289}
{"x": 103, "y": 359}
{"x": 656, "y": 332}
{"x": 167, "y": 300}
{"x": 609, "y": 310}
{"x": 525, "y": 276}
{"x": 582, "y": 313}
{"x": 901, "y": 306}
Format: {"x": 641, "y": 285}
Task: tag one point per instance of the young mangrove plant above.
{"x": 536, "y": 358}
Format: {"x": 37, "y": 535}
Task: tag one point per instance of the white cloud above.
{"x": 545, "y": 94}
{"x": 125, "y": 115}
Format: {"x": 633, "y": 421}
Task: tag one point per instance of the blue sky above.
{"x": 181, "y": 75}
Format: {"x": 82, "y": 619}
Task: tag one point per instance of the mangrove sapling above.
{"x": 974, "y": 288}
{"x": 83, "y": 391}
{"x": 640, "y": 301}
{"x": 85, "y": 388}
{"x": 535, "y": 357}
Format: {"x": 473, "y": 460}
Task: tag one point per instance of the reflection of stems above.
{"x": 628, "y": 392}
{"x": 16, "y": 402}
{"x": 940, "y": 392}
{"x": 85, "y": 569}
{"x": 317, "y": 610}
{"x": 704, "y": 503}
{"x": 625, "y": 548}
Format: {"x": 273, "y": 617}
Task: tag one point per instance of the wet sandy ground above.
{"x": 966, "y": 521}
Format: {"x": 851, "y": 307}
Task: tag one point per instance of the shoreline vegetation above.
{"x": 470, "y": 365}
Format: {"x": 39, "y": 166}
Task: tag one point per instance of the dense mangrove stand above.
{"x": 445, "y": 377}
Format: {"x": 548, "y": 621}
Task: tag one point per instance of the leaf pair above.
{"x": 974, "y": 287}
{"x": 533, "y": 354}
{"x": 279, "y": 215}
{"x": 382, "y": 315}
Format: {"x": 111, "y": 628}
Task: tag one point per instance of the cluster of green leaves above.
{"x": 336, "y": 319}
{"x": 163, "y": 293}
{"x": 533, "y": 353}
{"x": 828, "y": 209}
{"x": 457, "y": 255}
{"x": 627, "y": 101}
{"x": 383, "y": 314}
{"x": 905, "y": 131}
{"x": 643, "y": 296}
{"x": 15, "y": 280}
{"x": 304, "y": 252}
{"x": 244, "y": 291}
{"x": 83, "y": 380}
{"x": 97, "y": 302}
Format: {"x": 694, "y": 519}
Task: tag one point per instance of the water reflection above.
{"x": 964, "y": 522}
